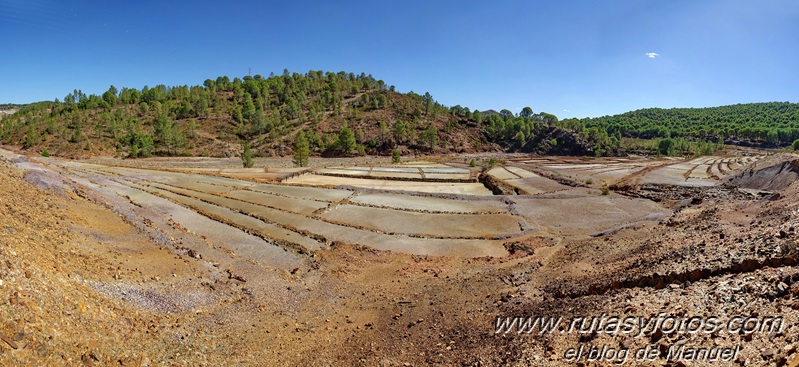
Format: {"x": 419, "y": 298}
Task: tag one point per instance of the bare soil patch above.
{"x": 110, "y": 265}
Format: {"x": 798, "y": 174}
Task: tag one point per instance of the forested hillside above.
{"x": 344, "y": 114}
{"x": 770, "y": 124}
{"x": 338, "y": 114}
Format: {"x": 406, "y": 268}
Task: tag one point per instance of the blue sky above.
{"x": 569, "y": 58}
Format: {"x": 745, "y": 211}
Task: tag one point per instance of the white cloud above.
{"x": 567, "y": 110}
{"x": 652, "y": 55}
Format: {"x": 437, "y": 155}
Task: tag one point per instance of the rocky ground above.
{"x": 84, "y": 282}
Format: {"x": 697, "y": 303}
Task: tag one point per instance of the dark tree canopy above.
{"x": 526, "y": 112}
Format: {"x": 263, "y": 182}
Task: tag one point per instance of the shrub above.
{"x": 605, "y": 190}
{"x": 589, "y": 181}
{"x": 395, "y": 156}
{"x": 472, "y": 164}
{"x": 45, "y": 153}
{"x": 795, "y": 144}
{"x": 666, "y": 147}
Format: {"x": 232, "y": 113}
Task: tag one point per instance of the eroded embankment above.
{"x": 771, "y": 178}
{"x": 499, "y": 187}
{"x": 693, "y": 194}
{"x": 659, "y": 281}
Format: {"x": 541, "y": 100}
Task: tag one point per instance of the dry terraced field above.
{"x": 386, "y": 264}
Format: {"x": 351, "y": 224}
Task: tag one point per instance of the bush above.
{"x": 45, "y": 153}
{"x": 395, "y": 156}
{"x": 472, "y": 163}
{"x": 666, "y": 147}
{"x": 795, "y": 144}
{"x": 589, "y": 181}
{"x": 605, "y": 190}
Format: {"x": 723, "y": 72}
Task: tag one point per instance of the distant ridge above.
{"x": 764, "y": 124}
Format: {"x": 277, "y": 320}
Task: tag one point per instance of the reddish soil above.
{"x": 94, "y": 270}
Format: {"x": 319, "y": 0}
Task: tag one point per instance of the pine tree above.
{"x": 399, "y": 131}
{"x": 76, "y": 134}
{"x": 430, "y": 135}
{"x": 246, "y": 155}
{"x": 520, "y": 138}
{"x": 346, "y": 140}
{"x": 383, "y": 130}
{"x": 301, "y": 150}
{"x": 134, "y": 150}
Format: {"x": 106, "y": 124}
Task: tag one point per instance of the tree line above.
{"x": 341, "y": 114}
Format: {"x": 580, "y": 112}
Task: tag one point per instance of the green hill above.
{"x": 771, "y": 124}
{"x": 215, "y": 118}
